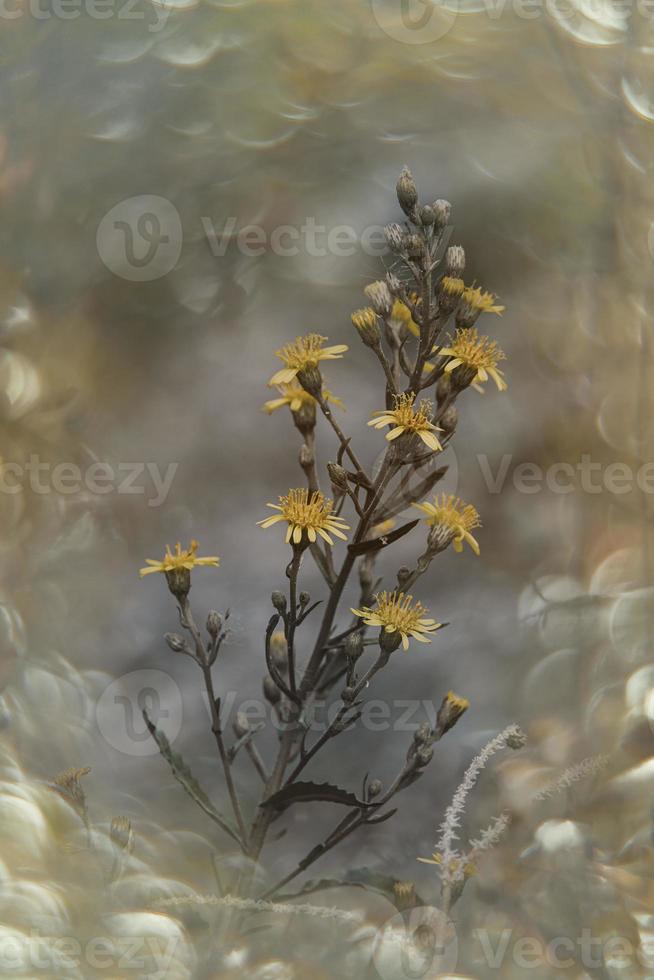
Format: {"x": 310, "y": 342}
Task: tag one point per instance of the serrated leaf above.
{"x": 376, "y": 543}
{"x": 312, "y": 792}
{"x": 187, "y": 780}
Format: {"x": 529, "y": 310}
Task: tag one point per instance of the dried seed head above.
{"x": 395, "y": 238}
{"x": 451, "y": 709}
{"x": 121, "y": 834}
{"x": 379, "y": 296}
{"x": 442, "y": 211}
{"x": 365, "y": 323}
{"x": 374, "y": 788}
{"x": 455, "y": 261}
{"x": 214, "y": 623}
{"x": 516, "y": 739}
{"x": 278, "y": 600}
{"x": 338, "y": 478}
{"x": 176, "y": 642}
{"x": 271, "y": 692}
{"x": 407, "y": 193}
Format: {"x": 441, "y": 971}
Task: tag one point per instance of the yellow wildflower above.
{"x": 406, "y": 419}
{"x": 304, "y": 352}
{"x": 296, "y": 398}
{"x": 467, "y": 348}
{"x": 480, "y": 300}
{"x": 454, "y": 517}
{"x": 304, "y": 513}
{"x": 180, "y": 559}
{"x": 396, "y": 613}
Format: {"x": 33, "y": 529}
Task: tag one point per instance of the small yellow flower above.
{"x": 480, "y": 300}
{"x": 405, "y": 418}
{"x": 456, "y": 864}
{"x": 180, "y": 559}
{"x": 396, "y": 612}
{"x": 454, "y": 517}
{"x": 451, "y": 709}
{"x": 452, "y": 286}
{"x": 296, "y": 398}
{"x": 472, "y": 351}
{"x": 302, "y": 512}
{"x": 304, "y": 352}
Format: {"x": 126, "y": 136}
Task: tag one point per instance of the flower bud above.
{"x": 455, "y": 261}
{"x": 404, "y": 893}
{"x": 365, "y": 322}
{"x": 451, "y": 709}
{"x": 449, "y": 420}
{"x": 338, "y": 478}
{"x": 271, "y": 692}
{"x": 466, "y": 315}
{"x": 278, "y": 600}
{"x": 279, "y": 650}
{"x": 442, "y": 212}
{"x": 427, "y": 215}
{"x": 443, "y": 388}
{"x": 176, "y": 642}
{"x": 374, "y": 788}
{"x": 403, "y": 574}
{"x": 395, "y": 237}
{"x": 407, "y": 192}
{"x": 422, "y": 734}
{"x": 304, "y": 598}
{"x": 121, "y": 834}
{"x": 348, "y": 694}
{"x": 241, "y": 725}
{"x": 450, "y": 290}
{"x": 354, "y": 646}
{"x": 414, "y": 246}
{"x": 379, "y": 296}
{"x": 214, "y": 623}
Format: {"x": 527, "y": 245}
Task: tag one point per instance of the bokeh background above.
{"x": 535, "y": 121}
